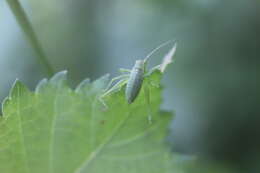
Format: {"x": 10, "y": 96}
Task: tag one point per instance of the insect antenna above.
{"x": 157, "y": 48}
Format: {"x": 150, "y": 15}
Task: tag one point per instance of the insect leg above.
{"x": 152, "y": 70}
{"x": 147, "y": 100}
{"x": 123, "y": 70}
{"x": 103, "y": 102}
{"x": 114, "y": 79}
{"x": 115, "y": 88}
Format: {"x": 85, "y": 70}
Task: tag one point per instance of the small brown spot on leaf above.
{"x": 102, "y": 122}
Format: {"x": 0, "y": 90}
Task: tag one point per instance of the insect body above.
{"x": 135, "y": 81}
{"x": 134, "y": 78}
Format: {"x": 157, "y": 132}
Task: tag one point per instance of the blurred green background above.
{"x": 212, "y": 87}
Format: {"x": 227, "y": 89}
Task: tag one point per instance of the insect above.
{"x": 133, "y": 79}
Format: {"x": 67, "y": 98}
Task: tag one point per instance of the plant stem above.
{"x": 27, "y": 28}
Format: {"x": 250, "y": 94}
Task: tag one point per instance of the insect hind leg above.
{"x": 114, "y": 79}
{"x": 123, "y": 70}
{"x": 103, "y": 102}
{"x": 113, "y": 89}
{"x": 148, "y": 102}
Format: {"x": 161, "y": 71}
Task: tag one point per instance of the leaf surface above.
{"x": 59, "y": 130}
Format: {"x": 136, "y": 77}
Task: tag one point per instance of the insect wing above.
{"x": 134, "y": 85}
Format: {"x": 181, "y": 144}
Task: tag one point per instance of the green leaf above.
{"x": 59, "y": 130}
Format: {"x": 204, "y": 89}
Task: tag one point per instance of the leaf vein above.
{"x": 94, "y": 154}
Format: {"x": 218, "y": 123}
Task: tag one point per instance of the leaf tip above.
{"x": 102, "y": 81}
{"x": 104, "y": 77}
{"x": 59, "y": 78}
{"x": 42, "y": 84}
{"x": 4, "y": 105}
{"x": 17, "y": 89}
{"x": 83, "y": 84}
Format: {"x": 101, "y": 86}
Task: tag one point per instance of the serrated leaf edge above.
{"x": 43, "y": 83}
{"x": 17, "y": 85}
{"x": 82, "y": 85}
{"x": 59, "y": 77}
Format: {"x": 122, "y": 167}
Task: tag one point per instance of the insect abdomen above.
{"x": 134, "y": 84}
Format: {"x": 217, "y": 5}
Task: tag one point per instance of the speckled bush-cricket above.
{"x": 133, "y": 79}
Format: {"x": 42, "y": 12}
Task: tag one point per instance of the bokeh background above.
{"x": 213, "y": 86}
